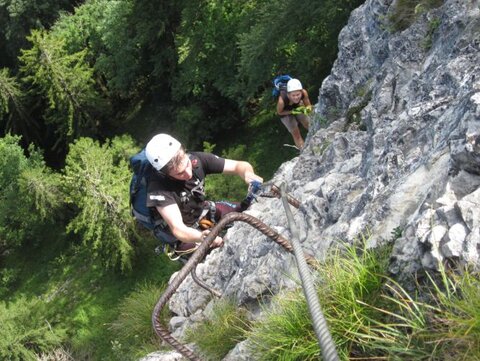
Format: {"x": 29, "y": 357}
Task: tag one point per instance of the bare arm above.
{"x": 243, "y": 169}
{"x": 171, "y": 214}
{"x": 281, "y": 107}
{"x": 306, "y": 99}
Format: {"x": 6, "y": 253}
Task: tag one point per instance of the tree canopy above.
{"x": 100, "y": 68}
{"x": 79, "y": 75}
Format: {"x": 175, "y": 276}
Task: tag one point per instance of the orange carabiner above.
{"x": 205, "y": 223}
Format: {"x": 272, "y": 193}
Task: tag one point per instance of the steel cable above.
{"x": 325, "y": 340}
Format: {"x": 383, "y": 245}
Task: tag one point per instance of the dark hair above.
{"x": 175, "y": 161}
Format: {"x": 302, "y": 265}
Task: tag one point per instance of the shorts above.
{"x": 291, "y": 121}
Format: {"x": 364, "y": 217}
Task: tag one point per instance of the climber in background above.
{"x": 293, "y": 106}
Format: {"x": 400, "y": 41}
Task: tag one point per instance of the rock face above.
{"x": 400, "y": 156}
{"x": 414, "y": 97}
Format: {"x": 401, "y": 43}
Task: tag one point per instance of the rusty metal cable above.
{"x": 199, "y": 282}
{"x": 275, "y": 192}
{"x": 196, "y": 258}
{"x": 202, "y": 284}
{"x": 278, "y": 192}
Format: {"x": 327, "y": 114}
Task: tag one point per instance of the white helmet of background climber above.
{"x": 294, "y": 84}
{"x": 161, "y": 149}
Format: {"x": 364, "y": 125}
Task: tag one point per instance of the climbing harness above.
{"x": 176, "y": 250}
{"x": 175, "y": 254}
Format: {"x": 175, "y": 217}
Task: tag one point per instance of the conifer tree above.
{"x": 65, "y": 81}
{"x": 30, "y": 201}
{"x": 96, "y": 181}
{"x": 12, "y": 109}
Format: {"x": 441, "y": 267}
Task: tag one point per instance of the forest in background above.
{"x": 197, "y": 69}
{"x": 83, "y": 85}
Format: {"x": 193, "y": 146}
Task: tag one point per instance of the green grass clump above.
{"x": 370, "y": 316}
{"x": 455, "y": 321}
{"x": 217, "y": 335}
{"x": 132, "y": 331}
{"x": 349, "y": 280}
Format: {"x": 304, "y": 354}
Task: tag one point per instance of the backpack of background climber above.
{"x": 279, "y": 84}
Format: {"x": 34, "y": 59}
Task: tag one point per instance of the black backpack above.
{"x": 142, "y": 172}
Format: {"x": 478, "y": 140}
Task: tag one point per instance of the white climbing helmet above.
{"x": 161, "y": 149}
{"x": 294, "y": 84}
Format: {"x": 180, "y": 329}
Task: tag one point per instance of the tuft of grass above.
{"x": 353, "y": 113}
{"x": 347, "y": 282}
{"x": 432, "y": 27}
{"x": 59, "y": 354}
{"x": 455, "y": 324}
{"x": 132, "y": 330}
{"x": 217, "y": 335}
{"x": 370, "y": 316}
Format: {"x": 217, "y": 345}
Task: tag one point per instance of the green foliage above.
{"x": 132, "y": 330}
{"x": 8, "y": 276}
{"x": 222, "y": 187}
{"x": 263, "y": 137}
{"x": 26, "y": 331}
{"x": 12, "y": 107}
{"x": 43, "y": 186}
{"x": 257, "y": 40}
{"x": 353, "y": 113}
{"x": 360, "y": 315}
{"x": 219, "y": 333}
{"x": 396, "y": 233}
{"x": 432, "y": 27}
{"x": 18, "y": 17}
{"x": 286, "y": 37}
{"x": 96, "y": 180}
{"x": 370, "y": 316}
{"x": 29, "y": 195}
{"x": 406, "y": 11}
{"x": 65, "y": 80}
{"x": 208, "y": 31}
{"x": 455, "y": 321}
{"x": 130, "y": 46}
{"x": 205, "y": 84}
{"x": 83, "y": 296}
{"x": 9, "y": 91}
{"x": 194, "y": 69}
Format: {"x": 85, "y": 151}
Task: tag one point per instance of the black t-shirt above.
{"x": 286, "y": 101}
{"x": 188, "y": 195}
